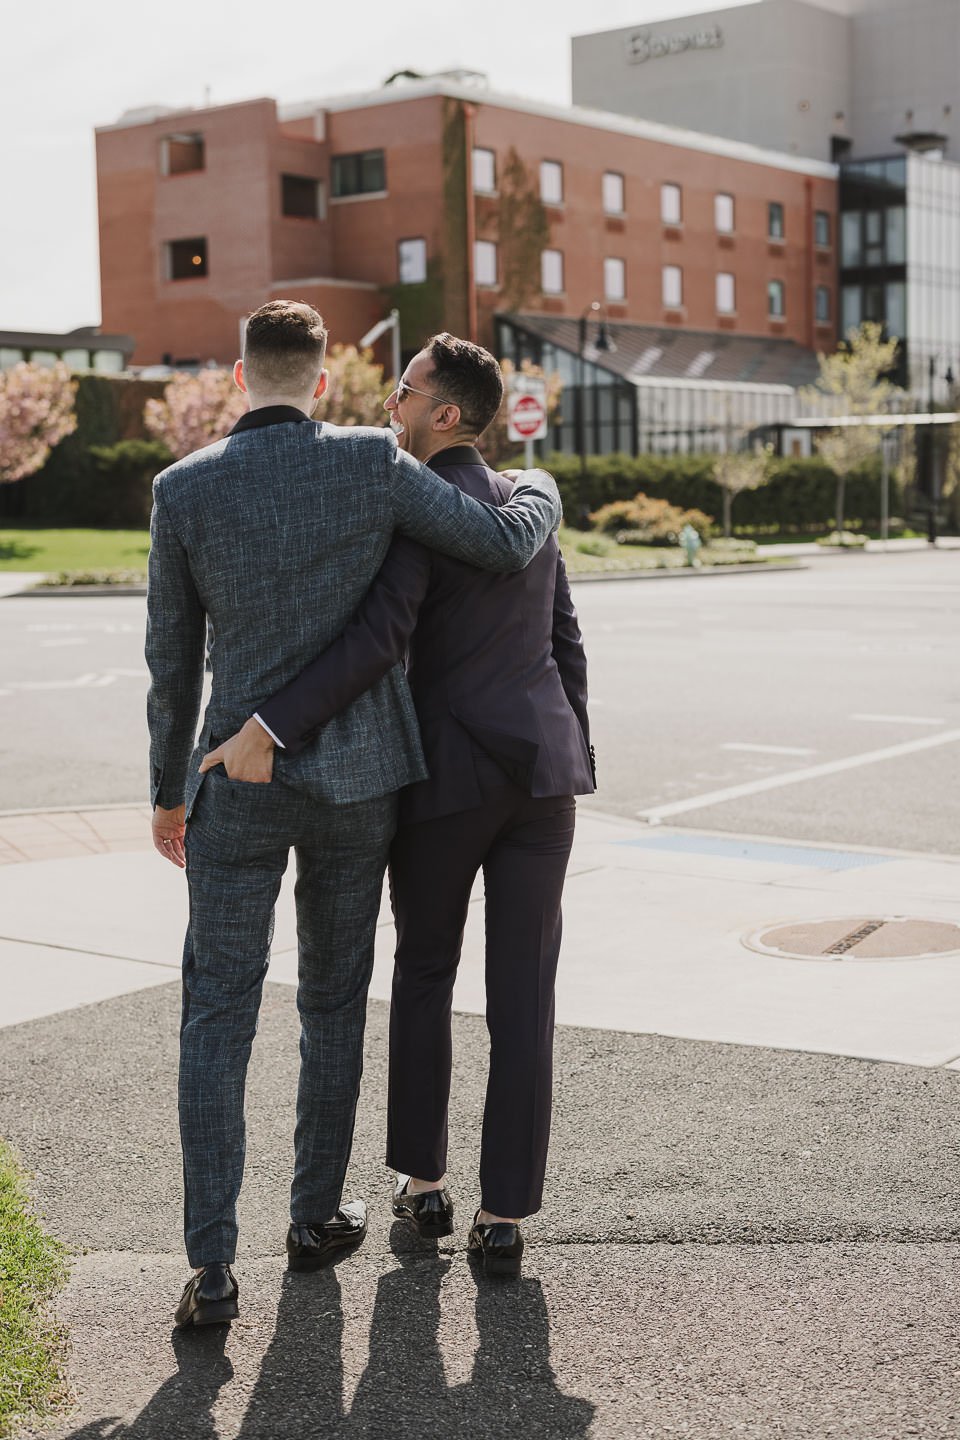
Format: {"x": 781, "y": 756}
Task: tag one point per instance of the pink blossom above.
{"x": 36, "y": 413}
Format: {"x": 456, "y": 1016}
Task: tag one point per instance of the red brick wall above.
{"x": 253, "y": 249}
{"x": 586, "y": 235}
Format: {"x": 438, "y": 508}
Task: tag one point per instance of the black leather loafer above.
{"x": 310, "y": 1247}
{"x": 499, "y": 1246}
{"x": 209, "y": 1298}
{"x": 430, "y": 1210}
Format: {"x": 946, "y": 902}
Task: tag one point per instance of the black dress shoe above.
{"x": 430, "y": 1210}
{"x": 499, "y": 1246}
{"x": 209, "y": 1298}
{"x": 310, "y": 1247}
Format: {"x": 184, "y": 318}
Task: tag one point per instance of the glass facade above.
{"x": 643, "y": 414}
{"x": 932, "y": 273}
{"x": 900, "y": 261}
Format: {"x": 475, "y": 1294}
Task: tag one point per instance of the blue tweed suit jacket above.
{"x": 263, "y": 546}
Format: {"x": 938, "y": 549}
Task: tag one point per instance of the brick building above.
{"x": 713, "y": 261}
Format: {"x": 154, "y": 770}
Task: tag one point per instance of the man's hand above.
{"x": 248, "y": 755}
{"x": 169, "y": 828}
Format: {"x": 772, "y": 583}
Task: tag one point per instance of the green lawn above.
{"x": 589, "y": 553}
{"x": 90, "y": 552}
{"x": 31, "y": 1268}
{"x": 24, "y": 548}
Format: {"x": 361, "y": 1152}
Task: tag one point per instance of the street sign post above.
{"x": 527, "y": 411}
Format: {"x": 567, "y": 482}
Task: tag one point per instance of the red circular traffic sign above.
{"x": 528, "y": 415}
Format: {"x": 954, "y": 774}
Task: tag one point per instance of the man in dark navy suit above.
{"x": 496, "y": 667}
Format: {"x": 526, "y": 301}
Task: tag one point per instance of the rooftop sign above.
{"x": 643, "y": 46}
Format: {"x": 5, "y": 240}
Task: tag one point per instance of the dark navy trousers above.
{"x": 522, "y": 846}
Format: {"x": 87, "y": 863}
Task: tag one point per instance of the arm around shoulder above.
{"x": 491, "y": 537}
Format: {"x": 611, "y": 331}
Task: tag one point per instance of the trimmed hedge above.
{"x": 800, "y": 495}
{"x": 80, "y": 484}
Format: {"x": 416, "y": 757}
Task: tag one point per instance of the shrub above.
{"x": 124, "y": 496}
{"x": 798, "y": 498}
{"x": 648, "y": 521}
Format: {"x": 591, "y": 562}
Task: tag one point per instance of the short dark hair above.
{"x": 284, "y": 346}
{"x": 468, "y": 376}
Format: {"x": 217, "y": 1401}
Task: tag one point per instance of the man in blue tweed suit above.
{"x": 267, "y": 541}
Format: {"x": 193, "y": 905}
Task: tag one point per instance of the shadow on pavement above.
{"x": 403, "y": 1391}
{"x": 184, "y": 1403}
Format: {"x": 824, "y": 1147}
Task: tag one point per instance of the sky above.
{"x": 69, "y": 67}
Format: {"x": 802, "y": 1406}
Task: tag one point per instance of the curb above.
{"x": 686, "y": 572}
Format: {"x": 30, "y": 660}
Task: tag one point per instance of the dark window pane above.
{"x": 821, "y": 228}
{"x": 188, "y": 259}
{"x": 360, "y": 174}
{"x": 775, "y": 220}
{"x": 183, "y": 153}
{"x": 299, "y": 197}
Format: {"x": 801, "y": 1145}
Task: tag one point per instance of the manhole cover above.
{"x": 858, "y": 937}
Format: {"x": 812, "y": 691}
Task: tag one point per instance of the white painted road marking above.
{"x": 793, "y": 777}
{"x": 900, "y": 719}
{"x": 768, "y": 749}
{"x": 82, "y": 682}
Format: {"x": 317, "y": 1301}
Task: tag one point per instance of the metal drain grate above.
{"x": 861, "y": 937}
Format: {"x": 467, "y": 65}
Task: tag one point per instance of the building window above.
{"x": 775, "y": 225}
{"x": 823, "y": 305}
{"x": 182, "y": 154}
{"x": 485, "y": 262}
{"x": 76, "y": 359}
{"x": 551, "y": 182}
{"x": 821, "y": 229}
{"x": 186, "y": 259}
{"x": 300, "y": 197}
{"x": 726, "y": 294}
{"x": 613, "y": 193}
{"x": 614, "y": 279}
{"x": 851, "y": 249}
{"x": 364, "y": 173}
{"x": 10, "y": 357}
{"x": 108, "y": 362}
{"x": 672, "y": 283}
{"x": 551, "y": 272}
{"x": 671, "y": 204}
{"x": 776, "y": 300}
{"x": 723, "y": 214}
{"x": 896, "y": 308}
{"x": 412, "y": 261}
{"x": 895, "y": 239}
{"x": 851, "y": 307}
{"x": 485, "y": 172}
{"x": 873, "y": 237}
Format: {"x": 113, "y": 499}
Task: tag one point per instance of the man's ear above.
{"x": 321, "y": 385}
{"x": 238, "y": 379}
{"x": 448, "y": 418}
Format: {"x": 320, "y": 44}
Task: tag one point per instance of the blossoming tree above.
{"x": 36, "y": 413}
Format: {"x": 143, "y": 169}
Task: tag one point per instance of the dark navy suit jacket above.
{"x": 494, "y": 661}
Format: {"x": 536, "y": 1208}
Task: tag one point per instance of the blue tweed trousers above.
{"x": 238, "y": 841}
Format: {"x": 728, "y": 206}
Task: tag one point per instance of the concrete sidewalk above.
{"x": 752, "y": 1220}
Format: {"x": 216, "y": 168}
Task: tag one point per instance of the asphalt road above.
{"x": 736, "y": 1242}
{"x": 725, "y": 683}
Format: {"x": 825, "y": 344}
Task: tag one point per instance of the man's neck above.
{"x": 465, "y": 439}
{"x": 268, "y": 402}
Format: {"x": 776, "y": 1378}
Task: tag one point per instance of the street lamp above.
{"x": 391, "y": 323}
{"x": 605, "y": 345}
{"x": 930, "y": 453}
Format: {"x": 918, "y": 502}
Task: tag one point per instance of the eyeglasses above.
{"x": 403, "y": 390}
